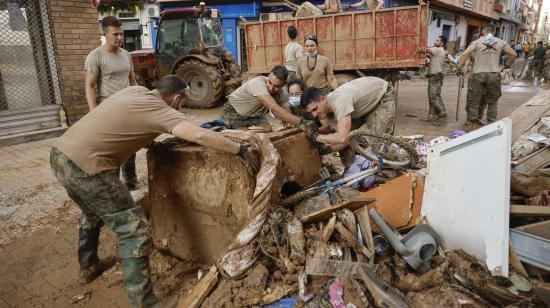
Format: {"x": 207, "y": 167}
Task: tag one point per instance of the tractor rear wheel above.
{"x": 205, "y": 83}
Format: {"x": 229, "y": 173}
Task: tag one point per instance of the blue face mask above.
{"x": 294, "y": 101}
{"x": 490, "y": 36}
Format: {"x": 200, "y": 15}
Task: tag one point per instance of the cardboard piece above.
{"x": 398, "y": 200}
{"x": 467, "y": 194}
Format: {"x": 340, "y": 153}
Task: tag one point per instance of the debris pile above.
{"x": 373, "y": 236}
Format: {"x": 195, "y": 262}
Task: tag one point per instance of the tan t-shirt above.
{"x": 124, "y": 123}
{"x": 112, "y": 70}
{"x": 245, "y": 99}
{"x": 318, "y": 76}
{"x": 487, "y": 54}
{"x": 356, "y": 98}
{"x": 437, "y": 60}
{"x": 293, "y": 52}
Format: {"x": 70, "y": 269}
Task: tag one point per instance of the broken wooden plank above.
{"x": 325, "y": 213}
{"x": 366, "y": 231}
{"x": 352, "y": 241}
{"x": 529, "y": 186}
{"x": 529, "y": 211}
{"x": 529, "y": 113}
{"x": 541, "y": 229}
{"x": 534, "y": 162}
{"x": 333, "y": 268}
{"x": 201, "y": 290}
{"x": 383, "y": 294}
{"x": 515, "y": 262}
{"x": 329, "y": 229}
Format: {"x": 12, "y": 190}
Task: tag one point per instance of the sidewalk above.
{"x": 38, "y": 230}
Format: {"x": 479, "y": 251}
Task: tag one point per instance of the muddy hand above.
{"x": 250, "y": 158}
{"x": 310, "y": 129}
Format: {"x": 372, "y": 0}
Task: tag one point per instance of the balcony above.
{"x": 480, "y": 8}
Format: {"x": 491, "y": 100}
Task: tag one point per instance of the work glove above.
{"x": 250, "y": 158}
{"x": 310, "y": 129}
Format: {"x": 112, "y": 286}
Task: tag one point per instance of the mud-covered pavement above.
{"x": 38, "y": 222}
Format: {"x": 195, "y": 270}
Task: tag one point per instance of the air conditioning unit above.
{"x": 153, "y": 11}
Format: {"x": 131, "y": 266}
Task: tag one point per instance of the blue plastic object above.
{"x": 287, "y": 302}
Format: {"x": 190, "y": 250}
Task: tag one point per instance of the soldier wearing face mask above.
{"x": 250, "y": 103}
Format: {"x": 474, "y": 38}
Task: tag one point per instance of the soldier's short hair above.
{"x": 110, "y": 21}
{"x": 292, "y": 32}
{"x": 170, "y": 85}
{"x": 280, "y": 72}
{"x": 489, "y": 28}
{"x": 443, "y": 39}
{"x": 310, "y": 95}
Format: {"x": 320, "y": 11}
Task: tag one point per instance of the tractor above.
{"x": 190, "y": 44}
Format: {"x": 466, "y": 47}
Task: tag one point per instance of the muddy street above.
{"x": 38, "y": 230}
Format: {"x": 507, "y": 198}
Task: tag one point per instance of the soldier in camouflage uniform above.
{"x": 547, "y": 66}
{"x": 436, "y": 112}
{"x": 86, "y": 158}
{"x": 537, "y": 63}
{"x": 484, "y": 83}
{"x": 250, "y": 103}
{"x": 366, "y": 103}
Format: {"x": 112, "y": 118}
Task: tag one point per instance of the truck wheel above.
{"x": 204, "y": 81}
{"x": 235, "y": 77}
{"x": 343, "y": 78}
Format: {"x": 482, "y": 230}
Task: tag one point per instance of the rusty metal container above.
{"x": 198, "y": 197}
{"x": 357, "y": 40}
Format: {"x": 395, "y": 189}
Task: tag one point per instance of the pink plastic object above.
{"x": 335, "y": 292}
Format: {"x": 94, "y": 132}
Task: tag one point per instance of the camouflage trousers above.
{"x": 483, "y": 87}
{"x": 231, "y": 117}
{"x": 537, "y": 66}
{"x": 104, "y": 200}
{"x": 436, "y": 107}
{"x": 482, "y": 104}
{"x": 380, "y": 119}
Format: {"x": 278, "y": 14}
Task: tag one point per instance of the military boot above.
{"x": 440, "y": 121}
{"x": 430, "y": 118}
{"x": 470, "y": 126}
{"x": 137, "y": 282}
{"x": 90, "y": 265}
{"x": 132, "y": 231}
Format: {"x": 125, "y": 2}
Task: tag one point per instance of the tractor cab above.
{"x": 190, "y": 45}
{"x": 184, "y": 31}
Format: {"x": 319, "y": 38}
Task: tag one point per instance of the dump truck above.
{"x": 190, "y": 44}
{"x": 358, "y": 43}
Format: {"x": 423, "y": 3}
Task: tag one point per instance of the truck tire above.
{"x": 235, "y": 77}
{"x": 205, "y": 83}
